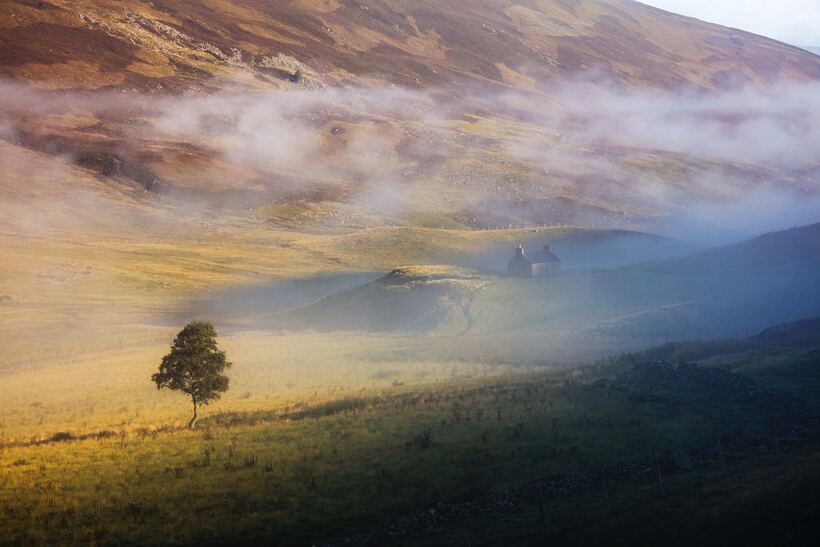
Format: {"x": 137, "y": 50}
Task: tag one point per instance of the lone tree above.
{"x": 194, "y": 366}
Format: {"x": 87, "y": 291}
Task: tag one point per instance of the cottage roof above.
{"x": 544, "y": 255}
{"x": 520, "y": 257}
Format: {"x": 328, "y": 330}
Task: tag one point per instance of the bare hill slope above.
{"x": 443, "y": 114}
{"x": 179, "y": 44}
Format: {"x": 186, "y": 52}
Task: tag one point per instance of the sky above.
{"x": 795, "y": 22}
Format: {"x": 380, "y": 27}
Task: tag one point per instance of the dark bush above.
{"x": 61, "y": 436}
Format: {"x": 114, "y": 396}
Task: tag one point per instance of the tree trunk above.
{"x": 193, "y": 418}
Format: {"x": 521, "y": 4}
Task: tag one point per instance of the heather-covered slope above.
{"x": 439, "y": 114}
{"x": 179, "y": 44}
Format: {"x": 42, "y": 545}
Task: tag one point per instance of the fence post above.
{"x": 720, "y": 452}
{"x": 776, "y": 436}
{"x": 657, "y": 470}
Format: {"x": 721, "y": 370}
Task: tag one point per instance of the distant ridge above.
{"x": 803, "y": 331}
{"x": 767, "y": 252}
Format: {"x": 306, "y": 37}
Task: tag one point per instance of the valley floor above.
{"x": 352, "y": 433}
{"x": 85, "y": 318}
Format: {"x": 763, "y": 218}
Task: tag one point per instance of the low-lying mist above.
{"x": 696, "y": 165}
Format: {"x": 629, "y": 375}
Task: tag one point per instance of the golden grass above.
{"x": 318, "y": 472}
{"x": 96, "y": 281}
{"x": 88, "y": 318}
{"x": 111, "y": 389}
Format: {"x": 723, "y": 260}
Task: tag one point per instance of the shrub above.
{"x": 61, "y": 436}
{"x": 422, "y": 441}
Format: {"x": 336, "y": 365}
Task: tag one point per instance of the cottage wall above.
{"x": 539, "y": 270}
{"x": 542, "y": 264}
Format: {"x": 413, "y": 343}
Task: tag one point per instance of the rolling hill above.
{"x": 417, "y": 298}
{"x": 771, "y": 252}
{"x": 722, "y": 292}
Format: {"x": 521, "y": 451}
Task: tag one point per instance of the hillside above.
{"x": 635, "y": 453}
{"x": 797, "y": 333}
{"x": 413, "y": 298}
{"x": 423, "y": 298}
{"x": 767, "y": 253}
{"x": 738, "y": 288}
{"x": 746, "y": 286}
{"x": 102, "y": 283}
{"x": 179, "y": 45}
{"x": 331, "y": 114}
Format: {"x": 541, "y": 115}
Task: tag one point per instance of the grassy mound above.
{"x": 414, "y": 298}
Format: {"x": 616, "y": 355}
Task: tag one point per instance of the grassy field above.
{"x": 323, "y": 435}
{"x": 85, "y": 317}
{"x": 368, "y": 466}
{"x": 112, "y": 389}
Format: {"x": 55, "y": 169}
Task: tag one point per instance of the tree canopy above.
{"x": 194, "y": 366}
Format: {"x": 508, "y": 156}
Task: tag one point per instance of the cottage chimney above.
{"x": 519, "y": 251}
